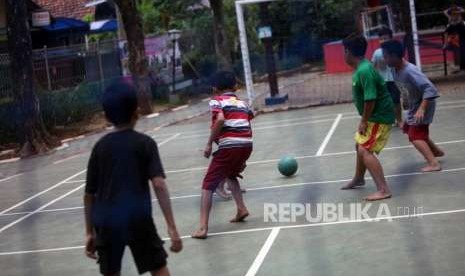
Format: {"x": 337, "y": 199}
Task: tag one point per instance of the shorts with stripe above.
{"x": 375, "y": 138}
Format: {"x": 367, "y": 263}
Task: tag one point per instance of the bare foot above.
{"x": 354, "y": 184}
{"x": 378, "y": 196}
{"x": 240, "y": 217}
{"x": 432, "y": 168}
{"x": 200, "y": 234}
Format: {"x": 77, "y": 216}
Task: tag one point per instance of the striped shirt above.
{"x": 237, "y": 131}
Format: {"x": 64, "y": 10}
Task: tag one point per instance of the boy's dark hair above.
{"x": 385, "y": 31}
{"x": 224, "y": 80}
{"x": 394, "y": 48}
{"x": 120, "y": 102}
{"x": 356, "y": 45}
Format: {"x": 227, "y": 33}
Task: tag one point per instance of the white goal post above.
{"x": 244, "y": 45}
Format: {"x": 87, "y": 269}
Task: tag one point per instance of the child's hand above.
{"x": 362, "y": 128}
{"x": 419, "y": 116}
{"x": 176, "y": 242}
{"x": 90, "y": 247}
{"x": 208, "y": 151}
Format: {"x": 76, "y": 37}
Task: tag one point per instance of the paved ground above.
{"x": 42, "y": 227}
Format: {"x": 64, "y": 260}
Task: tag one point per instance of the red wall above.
{"x": 334, "y": 54}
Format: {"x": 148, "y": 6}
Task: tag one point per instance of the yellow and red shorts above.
{"x": 375, "y": 138}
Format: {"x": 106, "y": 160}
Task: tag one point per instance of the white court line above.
{"x": 261, "y": 189}
{"x": 68, "y": 158}
{"x": 180, "y": 108}
{"x": 42, "y": 192}
{"x": 257, "y": 263}
{"x": 153, "y": 115}
{"x": 10, "y": 177}
{"x": 200, "y": 133}
{"x": 56, "y": 199}
{"x": 6, "y": 227}
{"x": 312, "y": 156}
{"x": 329, "y": 135}
{"x": 76, "y": 181}
{"x": 253, "y": 230}
{"x": 169, "y": 139}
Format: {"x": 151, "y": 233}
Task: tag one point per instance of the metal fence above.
{"x": 67, "y": 67}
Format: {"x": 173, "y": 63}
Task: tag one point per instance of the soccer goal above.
{"x": 244, "y": 44}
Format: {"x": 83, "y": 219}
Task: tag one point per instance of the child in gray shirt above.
{"x": 420, "y": 99}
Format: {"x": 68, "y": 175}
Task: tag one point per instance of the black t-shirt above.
{"x": 119, "y": 169}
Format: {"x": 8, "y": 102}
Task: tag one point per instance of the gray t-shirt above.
{"x": 416, "y": 87}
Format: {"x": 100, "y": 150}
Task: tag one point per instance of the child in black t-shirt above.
{"x": 117, "y": 198}
{"x": 455, "y": 35}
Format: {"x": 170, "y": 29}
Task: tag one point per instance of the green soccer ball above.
{"x": 288, "y": 166}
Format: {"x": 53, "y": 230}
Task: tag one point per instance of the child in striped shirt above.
{"x": 231, "y": 130}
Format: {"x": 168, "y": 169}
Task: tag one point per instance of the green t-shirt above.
{"x": 368, "y": 85}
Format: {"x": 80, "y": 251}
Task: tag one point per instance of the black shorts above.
{"x": 143, "y": 240}
{"x": 393, "y": 91}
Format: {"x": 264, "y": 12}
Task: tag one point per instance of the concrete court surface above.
{"x": 42, "y": 226}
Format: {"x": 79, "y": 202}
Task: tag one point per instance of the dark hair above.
{"x": 120, "y": 102}
{"x": 394, "y": 48}
{"x": 356, "y": 45}
{"x": 224, "y": 80}
{"x": 385, "y": 31}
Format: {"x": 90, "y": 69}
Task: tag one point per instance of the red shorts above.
{"x": 419, "y": 132}
{"x": 226, "y": 164}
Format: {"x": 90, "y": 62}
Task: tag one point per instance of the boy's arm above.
{"x": 370, "y": 91}
{"x": 215, "y": 132}
{"x": 162, "y": 194}
{"x": 89, "y": 199}
{"x": 367, "y": 112}
{"x": 420, "y": 114}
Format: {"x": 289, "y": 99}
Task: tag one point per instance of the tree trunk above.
{"x": 138, "y": 65}
{"x": 32, "y": 135}
{"x": 222, "y": 46}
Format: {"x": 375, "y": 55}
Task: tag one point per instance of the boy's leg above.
{"x": 427, "y": 152}
{"x": 360, "y": 170}
{"x": 376, "y": 170}
{"x": 161, "y": 272}
{"x": 205, "y": 208}
{"x": 435, "y": 149}
{"x": 398, "y": 112}
{"x": 242, "y": 211}
{"x": 419, "y": 136}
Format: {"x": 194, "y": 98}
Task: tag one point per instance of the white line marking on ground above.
{"x": 6, "y": 227}
{"x": 9, "y": 160}
{"x": 10, "y": 177}
{"x": 206, "y": 100}
{"x": 153, "y": 115}
{"x": 180, "y": 108}
{"x": 56, "y": 199}
{"x": 75, "y": 181}
{"x": 42, "y": 192}
{"x": 260, "y": 189}
{"x": 313, "y": 156}
{"x": 62, "y": 147}
{"x": 252, "y": 230}
{"x": 72, "y": 139}
{"x": 257, "y": 263}
{"x": 68, "y": 158}
{"x": 347, "y": 116}
{"x": 169, "y": 139}
{"x": 329, "y": 135}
